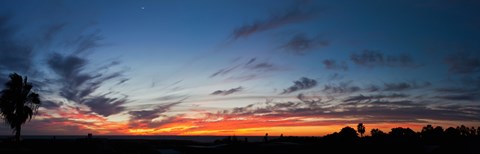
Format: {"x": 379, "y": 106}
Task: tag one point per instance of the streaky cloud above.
{"x": 302, "y": 84}
{"x": 300, "y": 44}
{"x": 53, "y": 30}
{"x": 375, "y": 58}
{"x": 402, "y": 86}
{"x": 460, "y": 97}
{"x": 295, "y": 14}
{"x": 331, "y": 64}
{"x": 78, "y": 81}
{"x": 369, "y": 98}
{"x": 144, "y": 118}
{"x": 335, "y": 76}
{"x": 227, "y": 92}
{"x": 463, "y": 63}
{"x": 375, "y": 111}
{"x": 224, "y": 71}
{"x": 49, "y": 104}
{"x": 341, "y": 88}
{"x": 16, "y": 55}
{"x": 88, "y": 42}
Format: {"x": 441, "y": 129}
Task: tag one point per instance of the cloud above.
{"x": 224, "y": 71}
{"x": 256, "y": 65}
{"x": 335, "y": 76}
{"x": 105, "y": 106}
{"x": 261, "y": 66}
{"x": 463, "y": 63}
{"x": 300, "y": 44}
{"x": 295, "y": 14}
{"x": 454, "y": 90}
{"x": 302, "y": 84}
{"x": 346, "y": 87}
{"x": 372, "y": 109}
{"x": 342, "y": 87}
{"x": 16, "y": 55}
{"x": 171, "y": 97}
{"x": 145, "y": 118}
{"x": 88, "y": 42}
{"x": 372, "y": 88}
{"x": 48, "y": 104}
{"x": 253, "y": 66}
{"x": 471, "y": 81}
{"x": 314, "y": 101}
{"x": 53, "y": 30}
{"x": 331, "y": 64}
{"x": 242, "y": 78}
{"x": 370, "y": 98}
{"x": 373, "y": 58}
{"x": 459, "y": 97}
{"x": 401, "y": 86}
{"x": 79, "y": 86}
{"x": 227, "y": 92}
{"x": 251, "y": 61}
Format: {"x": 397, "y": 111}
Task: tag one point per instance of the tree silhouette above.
{"x": 348, "y": 132}
{"x": 402, "y": 133}
{"x": 478, "y": 131}
{"x": 473, "y": 131}
{"x": 452, "y": 132}
{"x": 361, "y": 129}
{"x": 427, "y": 132}
{"x": 18, "y": 103}
{"x": 464, "y": 131}
{"x": 377, "y": 132}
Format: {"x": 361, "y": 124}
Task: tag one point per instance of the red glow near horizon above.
{"x": 75, "y": 122}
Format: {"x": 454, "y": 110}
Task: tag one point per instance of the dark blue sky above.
{"x": 144, "y": 65}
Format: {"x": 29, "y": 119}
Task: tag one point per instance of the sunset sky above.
{"x": 243, "y": 67}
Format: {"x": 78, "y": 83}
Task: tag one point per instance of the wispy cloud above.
{"x": 377, "y": 97}
{"x": 301, "y": 43}
{"x": 463, "y": 63}
{"x": 460, "y": 97}
{"x": 374, "y": 58}
{"x": 331, "y": 64}
{"x": 50, "y": 104}
{"x": 242, "y": 78}
{"x": 373, "y": 109}
{"x": 106, "y": 106}
{"x": 251, "y": 69}
{"x": 227, "y": 92}
{"x": 53, "y": 30}
{"x": 264, "y": 66}
{"x": 335, "y": 76}
{"x": 79, "y": 86}
{"x": 16, "y": 55}
{"x": 86, "y": 42}
{"x": 401, "y": 86}
{"x": 224, "y": 71}
{"x": 302, "y": 84}
{"x": 295, "y": 14}
{"x": 342, "y": 87}
{"x": 144, "y": 118}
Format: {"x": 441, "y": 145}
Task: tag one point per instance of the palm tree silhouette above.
{"x": 18, "y": 103}
{"x": 361, "y": 129}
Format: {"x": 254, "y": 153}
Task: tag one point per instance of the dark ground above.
{"x": 285, "y": 145}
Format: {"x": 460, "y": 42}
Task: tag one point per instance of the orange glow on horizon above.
{"x": 80, "y": 123}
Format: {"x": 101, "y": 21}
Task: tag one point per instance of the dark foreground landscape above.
{"x": 399, "y": 140}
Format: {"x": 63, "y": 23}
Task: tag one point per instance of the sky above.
{"x": 243, "y": 67}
